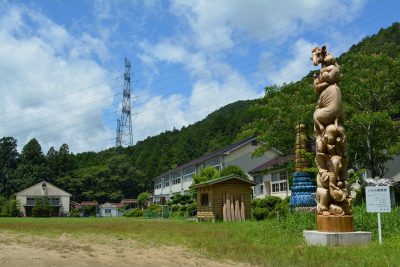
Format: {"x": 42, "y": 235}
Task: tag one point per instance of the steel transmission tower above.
{"x": 124, "y": 123}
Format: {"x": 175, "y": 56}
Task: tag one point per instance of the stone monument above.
{"x": 334, "y": 214}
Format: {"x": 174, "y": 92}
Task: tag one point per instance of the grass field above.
{"x": 267, "y": 243}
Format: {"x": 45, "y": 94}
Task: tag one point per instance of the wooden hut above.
{"x": 227, "y": 198}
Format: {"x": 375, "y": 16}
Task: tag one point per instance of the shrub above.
{"x": 233, "y": 169}
{"x": 134, "y": 213}
{"x": 42, "y": 208}
{"x": 183, "y": 208}
{"x": 8, "y": 207}
{"x": 260, "y": 213}
{"x": 269, "y": 202}
{"x": 174, "y": 208}
{"x": 192, "y": 207}
{"x": 206, "y": 174}
{"x": 154, "y": 207}
{"x": 75, "y": 213}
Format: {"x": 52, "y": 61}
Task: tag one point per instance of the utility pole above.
{"x": 124, "y": 123}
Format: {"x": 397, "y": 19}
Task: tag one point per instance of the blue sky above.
{"x": 61, "y": 61}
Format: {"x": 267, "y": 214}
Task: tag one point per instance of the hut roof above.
{"x": 223, "y": 179}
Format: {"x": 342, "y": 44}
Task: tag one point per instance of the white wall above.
{"x": 114, "y": 212}
{"x": 64, "y": 201}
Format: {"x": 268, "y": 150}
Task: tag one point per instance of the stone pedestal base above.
{"x": 332, "y": 223}
{"x": 316, "y": 238}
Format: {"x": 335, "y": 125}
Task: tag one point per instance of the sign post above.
{"x": 378, "y": 200}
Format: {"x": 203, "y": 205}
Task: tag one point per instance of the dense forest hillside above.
{"x": 111, "y": 174}
{"x": 371, "y": 92}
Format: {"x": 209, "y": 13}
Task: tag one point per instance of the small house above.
{"x": 109, "y": 210}
{"x": 56, "y": 197}
{"x": 227, "y": 198}
{"x": 130, "y": 203}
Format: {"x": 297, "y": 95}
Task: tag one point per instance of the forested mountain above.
{"x": 371, "y": 92}
{"x": 111, "y": 174}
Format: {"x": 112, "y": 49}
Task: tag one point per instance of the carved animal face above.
{"x": 318, "y": 55}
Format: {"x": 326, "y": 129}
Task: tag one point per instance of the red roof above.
{"x": 129, "y": 201}
{"x": 89, "y": 203}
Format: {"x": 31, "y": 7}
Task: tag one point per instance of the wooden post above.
{"x": 242, "y": 213}
{"x": 228, "y": 208}
{"x": 232, "y": 209}
{"x": 224, "y": 207}
{"x": 237, "y": 210}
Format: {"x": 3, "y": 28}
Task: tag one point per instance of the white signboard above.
{"x": 378, "y": 198}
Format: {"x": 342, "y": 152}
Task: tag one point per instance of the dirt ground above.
{"x": 31, "y": 250}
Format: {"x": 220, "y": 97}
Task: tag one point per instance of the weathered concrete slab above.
{"x": 337, "y": 238}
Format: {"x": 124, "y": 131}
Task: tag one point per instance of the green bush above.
{"x": 42, "y": 208}
{"x": 233, "y": 169}
{"x": 154, "y": 207}
{"x": 174, "y": 208}
{"x": 183, "y": 208}
{"x": 75, "y": 213}
{"x": 134, "y": 213}
{"x": 192, "y": 207}
{"x": 270, "y": 202}
{"x": 206, "y": 174}
{"x": 8, "y": 207}
{"x": 260, "y": 213}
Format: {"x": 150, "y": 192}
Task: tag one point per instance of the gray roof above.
{"x": 219, "y": 152}
{"x": 43, "y": 189}
{"x": 379, "y": 182}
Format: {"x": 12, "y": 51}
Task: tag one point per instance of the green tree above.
{"x": 142, "y": 198}
{"x": 8, "y": 164}
{"x": 205, "y": 174}
{"x": 42, "y": 208}
{"x": 233, "y": 169}
{"x": 32, "y": 167}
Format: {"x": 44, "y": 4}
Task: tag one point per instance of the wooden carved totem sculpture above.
{"x": 331, "y": 155}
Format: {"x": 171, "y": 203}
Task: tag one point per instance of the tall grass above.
{"x": 273, "y": 242}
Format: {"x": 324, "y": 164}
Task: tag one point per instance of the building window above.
{"x": 157, "y": 186}
{"x": 107, "y": 211}
{"x": 30, "y": 201}
{"x": 280, "y": 186}
{"x": 166, "y": 183}
{"x": 283, "y": 186}
{"x": 215, "y": 162}
{"x": 283, "y": 175}
{"x": 275, "y": 187}
{"x": 176, "y": 177}
{"x": 261, "y": 189}
{"x": 258, "y": 179}
{"x": 188, "y": 174}
{"x": 55, "y": 201}
{"x": 204, "y": 199}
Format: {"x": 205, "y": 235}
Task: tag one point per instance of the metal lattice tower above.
{"x": 124, "y": 124}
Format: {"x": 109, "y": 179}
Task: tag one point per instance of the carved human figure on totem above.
{"x": 331, "y": 154}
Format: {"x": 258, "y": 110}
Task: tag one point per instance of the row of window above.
{"x": 187, "y": 174}
{"x": 54, "y": 201}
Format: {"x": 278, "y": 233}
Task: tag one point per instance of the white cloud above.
{"x": 210, "y": 31}
{"x": 41, "y": 67}
{"x": 296, "y": 66}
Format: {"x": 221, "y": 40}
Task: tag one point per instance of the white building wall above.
{"x": 114, "y": 212}
{"x": 243, "y": 157}
{"x": 393, "y": 167}
{"x": 64, "y": 202}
